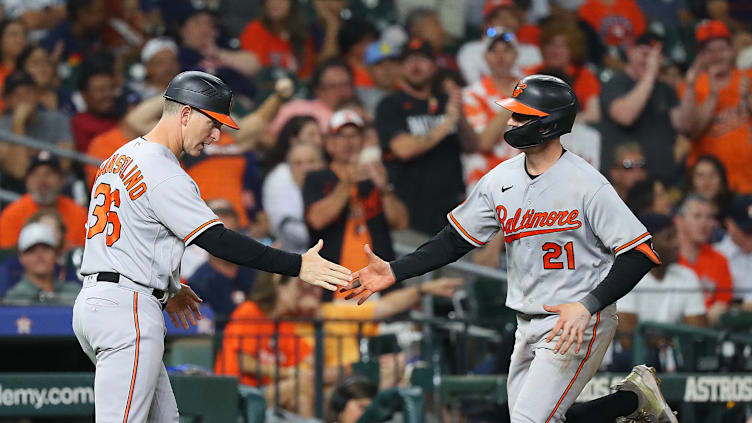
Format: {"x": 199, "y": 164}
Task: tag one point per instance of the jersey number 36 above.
{"x": 104, "y": 215}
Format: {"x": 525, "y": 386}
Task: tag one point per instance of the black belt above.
{"x": 115, "y": 278}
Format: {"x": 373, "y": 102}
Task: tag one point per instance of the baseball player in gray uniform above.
{"x": 144, "y": 211}
{"x": 573, "y": 249}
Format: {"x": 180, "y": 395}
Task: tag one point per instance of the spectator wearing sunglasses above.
{"x": 499, "y": 16}
{"x": 627, "y": 168}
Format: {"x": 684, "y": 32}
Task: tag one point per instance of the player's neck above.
{"x": 540, "y": 158}
{"x": 163, "y": 134}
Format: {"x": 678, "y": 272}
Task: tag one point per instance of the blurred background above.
{"x": 335, "y": 99}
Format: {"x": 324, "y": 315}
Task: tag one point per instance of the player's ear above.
{"x": 185, "y": 114}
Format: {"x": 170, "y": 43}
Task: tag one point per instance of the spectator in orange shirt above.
{"x": 249, "y": 348}
{"x": 487, "y": 119}
{"x": 43, "y": 183}
{"x": 694, "y": 222}
{"x": 353, "y": 39}
{"x": 562, "y": 45}
{"x": 716, "y": 106}
{"x": 618, "y": 22}
{"x": 280, "y": 38}
{"x": 12, "y": 43}
{"x": 708, "y": 179}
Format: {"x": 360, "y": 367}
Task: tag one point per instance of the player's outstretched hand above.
{"x": 574, "y": 318}
{"x": 377, "y": 276}
{"x": 184, "y": 306}
{"x": 321, "y": 272}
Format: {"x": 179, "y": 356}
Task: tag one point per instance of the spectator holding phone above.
{"x": 351, "y": 203}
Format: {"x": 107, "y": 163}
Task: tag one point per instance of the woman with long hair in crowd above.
{"x": 279, "y": 38}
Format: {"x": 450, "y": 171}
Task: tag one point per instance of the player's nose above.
{"x": 214, "y": 135}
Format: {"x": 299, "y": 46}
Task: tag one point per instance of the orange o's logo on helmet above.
{"x": 518, "y": 89}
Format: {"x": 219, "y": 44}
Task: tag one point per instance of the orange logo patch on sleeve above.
{"x": 518, "y": 89}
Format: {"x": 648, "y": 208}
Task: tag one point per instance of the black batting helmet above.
{"x": 204, "y": 92}
{"x": 550, "y": 100}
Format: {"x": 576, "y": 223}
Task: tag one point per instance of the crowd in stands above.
{"x": 360, "y": 118}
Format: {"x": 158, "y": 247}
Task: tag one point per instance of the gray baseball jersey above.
{"x": 144, "y": 210}
{"x": 562, "y": 229}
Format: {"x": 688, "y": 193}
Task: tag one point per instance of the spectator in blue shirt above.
{"x": 221, "y": 284}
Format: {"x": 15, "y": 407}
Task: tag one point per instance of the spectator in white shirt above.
{"x": 736, "y": 246}
{"x": 499, "y": 16}
{"x": 669, "y": 293}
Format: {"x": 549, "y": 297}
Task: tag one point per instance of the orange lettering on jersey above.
{"x": 111, "y": 163}
{"x": 137, "y": 191}
{"x": 554, "y": 221}
{"x": 119, "y": 164}
{"x": 124, "y": 167}
{"x": 133, "y": 180}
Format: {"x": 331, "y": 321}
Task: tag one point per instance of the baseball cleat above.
{"x": 652, "y": 407}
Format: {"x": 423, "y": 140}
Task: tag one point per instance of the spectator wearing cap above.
{"x": 279, "y": 38}
{"x": 44, "y": 181}
{"x": 422, "y": 136}
{"x": 283, "y": 195}
{"x": 637, "y": 106}
{"x": 694, "y": 222}
{"x": 332, "y": 84}
{"x": 618, "y": 22}
{"x": 716, "y": 106}
{"x": 499, "y": 17}
{"x": 66, "y": 268}
{"x": 381, "y": 60}
{"x": 38, "y": 251}
{"x": 79, "y": 34}
{"x": 98, "y": 87}
{"x": 562, "y": 45}
{"x": 199, "y": 50}
{"x": 351, "y": 204}
{"x": 160, "y": 59}
{"x": 24, "y": 117}
{"x": 221, "y": 284}
{"x": 627, "y": 168}
{"x": 736, "y": 246}
{"x": 487, "y": 119}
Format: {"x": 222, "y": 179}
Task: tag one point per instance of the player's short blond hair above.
{"x": 171, "y": 107}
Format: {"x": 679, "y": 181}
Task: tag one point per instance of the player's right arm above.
{"x": 472, "y": 224}
{"x": 176, "y": 202}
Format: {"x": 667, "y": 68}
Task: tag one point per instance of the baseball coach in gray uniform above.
{"x": 144, "y": 211}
